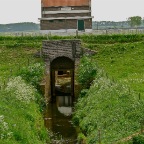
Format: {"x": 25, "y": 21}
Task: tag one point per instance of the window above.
{"x": 51, "y": 21}
{"x": 60, "y": 20}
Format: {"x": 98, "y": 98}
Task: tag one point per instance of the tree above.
{"x": 134, "y": 21}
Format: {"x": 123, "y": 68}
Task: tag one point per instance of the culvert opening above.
{"x": 62, "y": 77}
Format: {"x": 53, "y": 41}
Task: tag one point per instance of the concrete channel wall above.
{"x": 59, "y": 55}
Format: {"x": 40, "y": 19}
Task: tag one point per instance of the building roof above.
{"x": 55, "y": 3}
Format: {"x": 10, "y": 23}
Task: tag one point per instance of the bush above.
{"x": 20, "y": 118}
{"x": 5, "y": 133}
{"x": 138, "y": 139}
{"x": 86, "y": 72}
{"x": 32, "y": 74}
{"x": 23, "y": 92}
{"x": 111, "y": 39}
{"x": 110, "y": 107}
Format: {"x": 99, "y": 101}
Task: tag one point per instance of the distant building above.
{"x": 66, "y": 15}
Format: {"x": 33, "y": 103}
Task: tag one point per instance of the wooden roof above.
{"x": 56, "y": 3}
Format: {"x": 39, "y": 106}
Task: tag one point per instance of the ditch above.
{"x": 57, "y": 118}
{"x": 58, "y": 113}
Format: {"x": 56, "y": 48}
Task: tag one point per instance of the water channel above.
{"x": 57, "y": 119}
{"x": 58, "y": 113}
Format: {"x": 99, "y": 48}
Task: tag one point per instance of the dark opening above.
{"x": 62, "y": 77}
{"x": 60, "y": 72}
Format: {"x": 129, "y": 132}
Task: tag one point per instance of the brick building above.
{"x": 66, "y": 15}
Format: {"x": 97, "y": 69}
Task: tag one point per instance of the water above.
{"x": 58, "y": 120}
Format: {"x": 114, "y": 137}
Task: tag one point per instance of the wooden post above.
{"x": 113, "y": 79}
{"x": 47, "y": 36}
{"x": 139, "y": 96}
{"x": 41, "y": 53}
{"x": 72, "y": 83}
{"x": 53, "y": 95}
{"x": 142, "y": 122}
{"x": 99, "y": 136}
{"x": 4, "y": 83}
{"x": 19, "y": 67}
{"x": 106, "y": 75}
{"x": 129, "y": 90}
{"x": 76, "y": 33}
{"x": 10, "y": 72}
{"x": 106, "y": 32}
{"x": 28, "y": 62}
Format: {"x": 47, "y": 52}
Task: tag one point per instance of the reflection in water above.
{"x": 64, "y": 104}
{"x": 58, "y": 119}
{"x": 65, "y": 110}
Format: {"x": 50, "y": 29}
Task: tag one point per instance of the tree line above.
{"x": 24, "y": 26}
{"x": 131, "y": 22}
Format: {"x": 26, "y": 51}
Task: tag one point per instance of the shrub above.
{"x": 138, "y": 139}
{"x": 22, "y": 91}
{"x": 32, "y": 74}
{"x": 5, "y": 133}
{"x": 20, "y": 118}
{"x": 86, "y": 72}
{"x": 110, "y": 107}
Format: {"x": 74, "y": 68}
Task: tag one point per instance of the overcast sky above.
{"x": 13, "y": 11}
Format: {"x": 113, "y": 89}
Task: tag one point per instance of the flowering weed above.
{"x": 32, "y": 74}
{"x": 110, "y": 107}
{"x": 21, "y": 90}
{"x": 5, "y": 133}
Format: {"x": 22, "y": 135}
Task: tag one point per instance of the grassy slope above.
{"x": 116, "y": 111}
{"x": 121, "y": 58}
{"x": 14, "y": 57}
{"x": 126, "y": 65}
{"x": 16, "y": 53}
{"x": 23, "y": 120}
{"x": 122, "y": 61}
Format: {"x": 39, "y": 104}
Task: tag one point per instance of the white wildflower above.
{"x": 4, "y": 129}
{"x": 22, "y": 91}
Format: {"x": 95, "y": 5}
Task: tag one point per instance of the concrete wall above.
{"x": 53, "y": 49}
{"x": 46, "y": 87}
{"x": 68, "y": 48}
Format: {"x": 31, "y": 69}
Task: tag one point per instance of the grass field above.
{"x": 21, "y": 119}
{"x": 122, "y": 61}
{"x": 112, "y": 108}
{"x": 119, "y": 56}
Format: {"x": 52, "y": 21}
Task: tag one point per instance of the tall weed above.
{"x": 86, "y": 72}
{"x": 22, "y": 91}
{"x": 110, "y": 107}
{"x": 32, "y": 74}
{"x": 20, "y": 118}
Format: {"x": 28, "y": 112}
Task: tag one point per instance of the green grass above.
{"x": 20, "y": 117}
{"x": 109, "y": 106}
{"x": 21, "y": 121}
{"x": 124, "y": 62}
{"x": 120, "y": 57}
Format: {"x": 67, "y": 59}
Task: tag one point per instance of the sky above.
{"x": 15, "y": 11}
